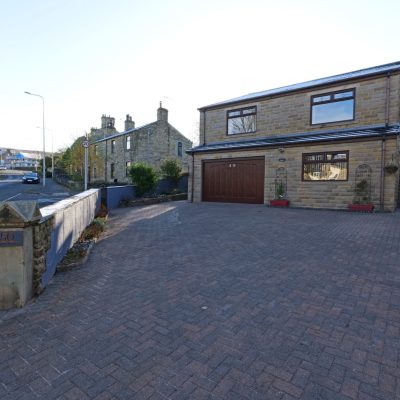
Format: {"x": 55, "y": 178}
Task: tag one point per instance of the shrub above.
{"x": 143, "y": 177}
{"x": 93, "y": 230}
{"x": 171, "y": 169}
{"x": 280, "y": 190}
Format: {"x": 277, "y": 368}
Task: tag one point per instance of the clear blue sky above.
{"x": 89, "y": 58}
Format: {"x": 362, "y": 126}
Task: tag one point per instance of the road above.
{"x": 13, "y": 189}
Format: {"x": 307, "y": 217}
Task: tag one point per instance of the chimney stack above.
{"x": 107, "y": 122}
{"x": 162, "y": 113}
{"x": 129, "y": 124}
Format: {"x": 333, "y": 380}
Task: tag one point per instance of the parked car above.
{"x": 31, "y": 177}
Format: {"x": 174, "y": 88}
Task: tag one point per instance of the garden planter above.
{"x": 279, "y": 203}
{"x": 361, "y": 207}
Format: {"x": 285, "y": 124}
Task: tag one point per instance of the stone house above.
{"x": 112, "y": 153}
{"x": 320, "y": 144}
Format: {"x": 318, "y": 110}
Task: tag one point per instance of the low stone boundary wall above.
{"x": 33, "y": 242}
{"x": 70, "y": 218}
{"x": 114, "y": 196}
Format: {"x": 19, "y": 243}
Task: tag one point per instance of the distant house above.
{"x": 112, "y": 153}
{"x": 22, "y": 159}
{"x": 319, "y": 144}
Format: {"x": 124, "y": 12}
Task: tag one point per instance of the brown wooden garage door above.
{"x": 239, "y": 180}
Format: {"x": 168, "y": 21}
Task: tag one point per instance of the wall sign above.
{"x": 11, "y": 238}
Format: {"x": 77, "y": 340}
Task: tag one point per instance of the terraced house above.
{"x": 112, "y": 153}
{"x": 325, "y": 143}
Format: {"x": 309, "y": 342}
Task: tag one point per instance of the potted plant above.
{"x": 391, "y": 169}
{"x": 362, "y": 202}
{"x": 279, "y": 200}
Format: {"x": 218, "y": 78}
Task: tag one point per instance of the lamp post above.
{"x": 44, "y": 139}
{"x": 52, "y": 150}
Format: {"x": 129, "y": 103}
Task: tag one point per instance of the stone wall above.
{"x": 33, "y": 242}
{"x": 290, "y": 113}
{"x": 315, "y": 194}
{"x": 41, "y": 245}
{"x": 113, "y": 196}
{"x": 70, "y": 217}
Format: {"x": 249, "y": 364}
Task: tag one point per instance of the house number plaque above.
{"x": 11, "y": 238}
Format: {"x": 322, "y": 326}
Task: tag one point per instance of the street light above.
{"x": 44, "y": 139}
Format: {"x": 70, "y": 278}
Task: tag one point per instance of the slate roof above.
{"x": 304, "y": 137}
{"x": 122, "y": 133}
{"x": 380, "y": 69}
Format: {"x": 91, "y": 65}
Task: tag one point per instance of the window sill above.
{"x": 332, "y": 124}
{"x": 238, "y": 134}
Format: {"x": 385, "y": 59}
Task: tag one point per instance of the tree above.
{"x": 144, "y": 177}
{"x": 171, "y": 169}
{"x": 72, "y": 160}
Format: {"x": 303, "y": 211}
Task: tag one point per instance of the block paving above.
{"x": 217, "y": 301}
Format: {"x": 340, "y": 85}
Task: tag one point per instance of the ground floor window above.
{"x": 327, "y": 166}
{"x": 112, "y": 170}
{"x": 179, "y": 151}
{"x": 128, "y": 167}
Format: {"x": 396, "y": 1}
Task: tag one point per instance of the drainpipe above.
{"x": 383, "y": 144}
{"x": 382, "y": 194}
{"x": 387, "y": 104}
{"x": 192, "y": 178}
{"x": 204, "y": 128}
{"x": 105, "y": 164}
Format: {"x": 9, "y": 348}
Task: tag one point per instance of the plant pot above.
{"x": 391, "y": 169}
{"x": 361, "y": 207}
{"x": 279, "y": 203}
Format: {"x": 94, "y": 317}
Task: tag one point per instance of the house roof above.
{"x": 298, "y": 138}
{"x": 380, "y": 69}
{"x": 121, "y": 133}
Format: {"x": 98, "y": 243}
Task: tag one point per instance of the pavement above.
{"x": 217, "y": 301}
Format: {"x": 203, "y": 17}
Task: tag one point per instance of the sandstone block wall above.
{"x": 290, "y": 113}
{"x": 314, "y": 194}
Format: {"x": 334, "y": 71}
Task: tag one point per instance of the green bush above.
{"x": 171, "y": 169}
{"x": 143, "y": 177}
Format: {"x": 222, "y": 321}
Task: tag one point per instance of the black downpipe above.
{"x": 382, "y": 194}
{"x": 105, "y": 165}
{"x": 192, "y": 189}
{"x": 204, "y": 128}
{"x": 383, "y": 144}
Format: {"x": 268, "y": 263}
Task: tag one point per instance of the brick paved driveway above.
{"x": 214, "y": 301}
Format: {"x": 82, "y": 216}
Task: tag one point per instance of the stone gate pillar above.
{"x": 17, "y": 223}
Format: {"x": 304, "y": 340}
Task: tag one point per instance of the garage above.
{"x": 236, "y": 180}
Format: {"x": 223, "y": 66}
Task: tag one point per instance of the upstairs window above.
{"x": 241, "y": 121}
{"x": 112, "y": 146}
{"x": 333, "y": 107}
{"x": 95, "y": 150}
{"x": 128, "y": 143}
{"x": 332, "y": 166}
{"x": 179, "y": 149}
